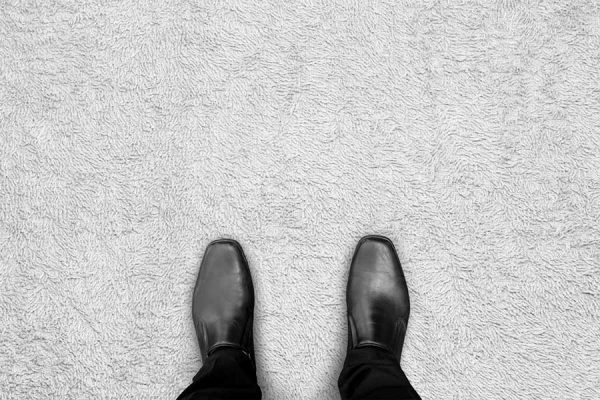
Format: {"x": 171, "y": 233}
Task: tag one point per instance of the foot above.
{"x": 223, "y": 302}
{"x": 377, "y": 297}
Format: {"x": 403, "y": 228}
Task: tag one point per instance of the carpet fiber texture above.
{"x": 134, "y": 133}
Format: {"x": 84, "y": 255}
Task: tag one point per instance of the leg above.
{"x": 223, "y": 314}
{"x": 374, "y": 373}
{"x": 227, "y": 374}
{"x": 378, "y": 310}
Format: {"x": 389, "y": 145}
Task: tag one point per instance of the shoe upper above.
{"x": 223, "y": 301}
{"x": 377, "y": 297}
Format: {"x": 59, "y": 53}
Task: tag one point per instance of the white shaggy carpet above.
{"x": 133, "y": 133}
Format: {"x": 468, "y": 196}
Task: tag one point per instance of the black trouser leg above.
{"x": 373, "y": 373}
{"x": 226, "y": 374}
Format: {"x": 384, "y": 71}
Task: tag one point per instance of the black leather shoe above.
{"x": 377, "y": 297}
{"x": 223, "y": 302}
